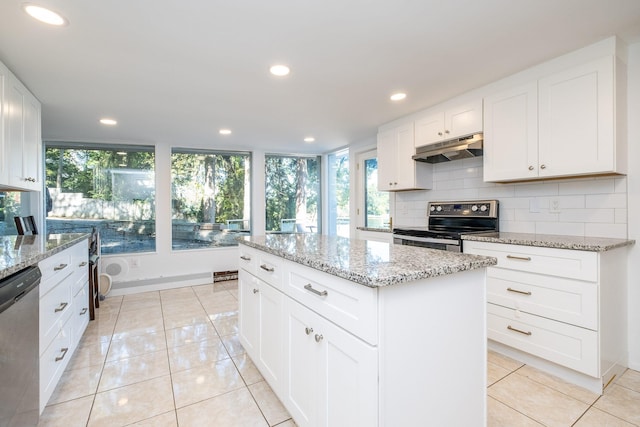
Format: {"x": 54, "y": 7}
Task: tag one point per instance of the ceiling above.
{"x": 177, "y": 71}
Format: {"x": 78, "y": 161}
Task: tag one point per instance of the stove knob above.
{"x": 439, "y": 208}
{"x": 474, "y": 208}
{"x": 432, "y": 208}
{"x": 483, "y": 208}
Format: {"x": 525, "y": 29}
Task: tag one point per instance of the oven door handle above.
{"x": 427, "y": 239}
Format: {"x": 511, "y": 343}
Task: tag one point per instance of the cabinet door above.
{"x": 302, "y": 362}
{"x": 405, "y": 166}
{"x": 15, "y": 132}
{"x": 249, "y": 312}
{"x": 429, "y": 129}
{"x": 511, "y": 134}
{"x": 4, "y": 151}
{"x": 463, "y": 120}
{"x": 32, "y": 144}
{"x": 349, "y": 379}
{"x": 271, "y": 334}
{"x": 577, "y": 120}
{"x": 386, "y": 160}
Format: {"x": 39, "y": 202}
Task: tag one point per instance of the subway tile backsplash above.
{"x": 578, "y": 206}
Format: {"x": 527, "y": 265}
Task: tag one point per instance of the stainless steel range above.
{"x": 447, "y": 222}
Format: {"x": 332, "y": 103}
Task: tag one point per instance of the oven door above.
{"x": 428, "y": 242}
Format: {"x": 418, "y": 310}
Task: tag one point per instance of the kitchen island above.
{"x": 362, "y": 333}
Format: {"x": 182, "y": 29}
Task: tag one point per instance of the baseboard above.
{"x": 160, "y": 283}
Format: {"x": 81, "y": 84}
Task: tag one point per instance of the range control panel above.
{"x": 479, "y": 208}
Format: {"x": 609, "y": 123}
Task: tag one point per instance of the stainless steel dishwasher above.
{"x": 19, "y": 348}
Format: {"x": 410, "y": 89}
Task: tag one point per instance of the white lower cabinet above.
{"x": 64, "y": 306}
{"x": 559, "y": 306}
{"x": 332, "y": 376}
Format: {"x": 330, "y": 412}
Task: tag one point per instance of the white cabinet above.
{"x": 455, "y": 122}
{"x": 558, "y": 126}
{"x": 22, "y": 141}
{"x": 63, "y": 312}
{"x": 559, "y": 306}
{"x": 397, "y": 170}
{"x": 4, "y": 172}
{"x": 332, "y": 375}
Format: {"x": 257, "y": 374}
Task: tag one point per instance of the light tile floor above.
{"x": 172, "y": 358}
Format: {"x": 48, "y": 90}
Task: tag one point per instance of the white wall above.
{"x": 634, "y": 203}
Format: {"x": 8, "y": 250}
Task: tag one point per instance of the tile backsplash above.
{"x": 578, "y": 206}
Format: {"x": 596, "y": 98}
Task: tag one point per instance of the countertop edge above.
{"x": 597, "y": 244}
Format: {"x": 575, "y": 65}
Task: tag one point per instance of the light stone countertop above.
{"x": 366, "y": 262}
{"x": 580, "y": 243}
{"x": 18, "y": 252}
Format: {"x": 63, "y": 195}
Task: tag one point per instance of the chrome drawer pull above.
{"x": 518, "y": 330}
{"x": 60, "y": 267}
{"x": 519, "y": 292}
{"x": 319, "y": 337}
{"x": 315, "y": 291}
{"x": 255, "y": 291}
{"x": 83, "y": 263}
{"x": 84, "y": 310}
{"x": 269, "y": 269}
{"x": 308, "y": 331}
{"x": 62, "y": 306}
{"x": 64, "y": 353}
{"x": 245, "y": 258}
{"x": 521, "y": 258}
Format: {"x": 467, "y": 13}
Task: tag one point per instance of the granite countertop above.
{"x": 378, "y": 230}
{"x": 366, "y": 262}
{"x": 18, "y": 252}
{"x": 580, "y": 243}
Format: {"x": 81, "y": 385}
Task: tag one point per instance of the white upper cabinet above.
{"x": 22, "y": 143}
{"x": 4, "y": 173}
{"x": 559, "y": 126}
{"x": 397, "y": 170}
{"x": 461, "y": 120}
{"x": 511, "y": 134}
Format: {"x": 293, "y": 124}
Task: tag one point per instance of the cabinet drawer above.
{"x": 247, "y": 259}
{"x": 80, "y": 259}
{"x": 581, "y": 265}
{"x": 349, "y": 305}
{"x": 80, "y": 314}
{"x": 269, "y": 268}
{"x": 53, "y": 362}
{"x": 566, "y": 300}
{"x": 80, "y": 278}
{"x": 54, "y": 269}
{"x": 566, "y": 345}
{"x": 55, "y": 310}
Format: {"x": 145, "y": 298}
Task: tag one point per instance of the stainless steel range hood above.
{"x": 453, "y": 149}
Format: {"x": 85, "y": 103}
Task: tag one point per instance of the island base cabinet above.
{"x": 332, "y": 376}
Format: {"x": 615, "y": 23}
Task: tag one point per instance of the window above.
{"x": 111, "y": 189}
{"x": 292, "y": 194}
{"x": 210, "y": 198}
{"x": 375, "y": 204}
{"x": 338, "y": 194}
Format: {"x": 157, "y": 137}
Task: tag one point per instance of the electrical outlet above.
{"x": 134, "y": 262}
{"x": 554, "y": 206}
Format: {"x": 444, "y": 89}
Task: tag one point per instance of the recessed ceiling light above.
{"x": 45, "y": 15}
{"x": 225, "y": 131}
{"x": 279, "y": 70}
{"x": 398, "y": 96}
{"x": 108, "y": 122}
{"x": 309, "y": 139}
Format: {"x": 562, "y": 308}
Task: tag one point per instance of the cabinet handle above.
{"x": 255, "y": 291}
{"x": 395, "y": 183}
{"x": 60, "y": 267}
{"x": 30, "y": 179}
{"x": 246, "y": 258}
{"x": 308, "y": 331}
{"x": 318, "y": 337}
{"x": 265, "y": 268}
{"x": 521, "y": 258}
{"x": 446, "y": 131}
{"x": 518, "y": 330}
{"x": 63, "y": 305}
{"x": 543, "y": 166}
{"x": 531, "y": 168}
{"x": 64, "y": 353}
{"x": 315, "y": 291}
{"x": 519, "y": 292}
{"x": 82, "y": 264}
{"x": 390, "y": 183}
{"x": 84, "y": 310}
{"x": 439, "y": 133}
